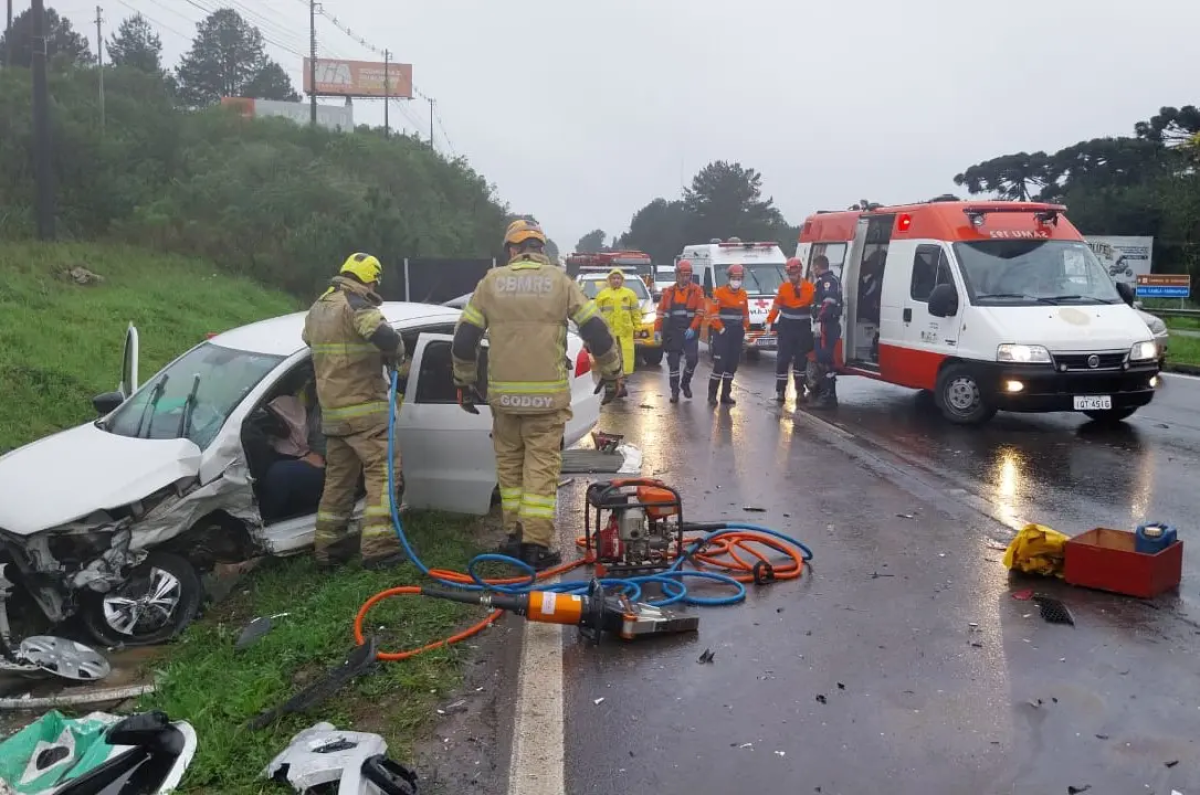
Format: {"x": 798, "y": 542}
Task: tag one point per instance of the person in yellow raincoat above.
{"x": 622, "y": 309}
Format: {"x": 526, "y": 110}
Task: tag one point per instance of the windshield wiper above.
{"x": 189, "y": 405}
{"x": 156, "y": 392}
{"x": 1020, "y": 295}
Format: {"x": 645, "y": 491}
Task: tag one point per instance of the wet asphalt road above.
{"x": 868, "y": 675}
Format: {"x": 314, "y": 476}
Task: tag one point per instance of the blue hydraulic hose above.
{"x": 671, "y": 580}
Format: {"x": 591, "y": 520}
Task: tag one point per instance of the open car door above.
{"x": 446, "y": 453}
{"x": 129, "y": 363}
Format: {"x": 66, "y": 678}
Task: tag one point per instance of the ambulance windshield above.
{"x": 762, "y": 278}
{"x": 1034, "y": 272}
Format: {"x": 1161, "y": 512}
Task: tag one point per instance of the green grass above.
{"x": 1182, "y": 322}
{"x": 205, "y": 681}
{"x": 61, "y": 342}
{"x": 1183, "y": 350}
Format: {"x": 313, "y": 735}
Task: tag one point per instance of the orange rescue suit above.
{"x": 793, "y": 301}
{"x": 725, "y": 306}
{"x": 684, "y": 305}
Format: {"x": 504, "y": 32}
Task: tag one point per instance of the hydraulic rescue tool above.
{"x": 643, "y": 532}
{"x": 594, "y": 614}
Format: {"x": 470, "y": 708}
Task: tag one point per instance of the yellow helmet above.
{"x": 363, "y": 267}
{"x": 521, "y": 230}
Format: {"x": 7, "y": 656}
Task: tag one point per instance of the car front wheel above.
{"x": 652, "y": 356}
{"x": 960, "y": 398}
{"x": 158, "y": 600}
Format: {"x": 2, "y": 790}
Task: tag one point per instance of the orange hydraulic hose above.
{"x": 722, "y": 553}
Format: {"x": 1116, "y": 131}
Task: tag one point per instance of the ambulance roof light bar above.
{"x": 1045, "y": 213}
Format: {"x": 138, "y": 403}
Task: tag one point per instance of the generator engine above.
{"x": 634, "y": 526}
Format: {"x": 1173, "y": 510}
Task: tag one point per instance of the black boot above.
{"x": 674, "y": 381}
{"x": 780, "y": 391}
{"x": 511, "y": 546}
{"x": 686, "y": 386}
{"x": 713, "y": 385}
{"x": 384, "y": 561}
{"x": 727, "y": 392}
{"x": 540, "y": 557}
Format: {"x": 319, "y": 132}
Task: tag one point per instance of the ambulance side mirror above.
{"x": 1127, "y": 293}
{"x": 943, "y": 301}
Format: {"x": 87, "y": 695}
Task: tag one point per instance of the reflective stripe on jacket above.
{"x": 351, "y": 341}
{"x": 524, "y": 308}
{"x": 792, "y": 302}
{"x": 728, "y": 307}
{"x": 683, "y": 307}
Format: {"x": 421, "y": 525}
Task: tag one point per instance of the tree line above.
{"x": 172, "y": 169}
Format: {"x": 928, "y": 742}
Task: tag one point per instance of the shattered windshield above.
{"x": 172, "y": 404}
{"x": 762, "y": 278}
{"x": 1034, "y": 272}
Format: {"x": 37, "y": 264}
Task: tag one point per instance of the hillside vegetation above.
{"x": 61, "y": 341}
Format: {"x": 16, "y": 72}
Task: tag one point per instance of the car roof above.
{"x": 280, "y": 336}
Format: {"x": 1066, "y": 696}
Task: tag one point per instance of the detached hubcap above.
{"x": 962, "y": 394}
{"x": 144, "y": 605}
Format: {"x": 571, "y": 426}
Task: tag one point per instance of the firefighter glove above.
{"x": 690, "y": 334}
{"x": 611, "y": 387}
{"x": 466, "y": 399}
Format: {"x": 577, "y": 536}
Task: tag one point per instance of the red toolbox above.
{"x": 1105, "y": 559}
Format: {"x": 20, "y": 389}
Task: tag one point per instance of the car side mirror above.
{"x": 943, "y": 301}
{"x": 1127, "y": 293}
{"x": 107, "y": 403}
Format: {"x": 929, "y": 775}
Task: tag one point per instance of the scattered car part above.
{"x": 76, "y": 698}
{"x": 62, "y": 657}
{"x": 255, "y": 630}
{"x": 355, "y": 761}
{"x": 356, "y": 663}
{"x": 1053, "y": 610}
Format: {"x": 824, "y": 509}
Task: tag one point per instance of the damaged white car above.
{"x": 115, "y": 520}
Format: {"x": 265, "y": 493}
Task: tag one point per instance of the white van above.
{"x": 989, "y": 306}
{"x": 765, "y": 271}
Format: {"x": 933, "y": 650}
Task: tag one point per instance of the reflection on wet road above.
{"x": 901, "y": 662}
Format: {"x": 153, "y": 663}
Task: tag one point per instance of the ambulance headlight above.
{"x": 1022, "y": 354}
{"x": 1143, "y": 351}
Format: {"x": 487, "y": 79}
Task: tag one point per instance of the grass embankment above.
{"x": 60, "y": 344}
{"x": 1185, "y": 341}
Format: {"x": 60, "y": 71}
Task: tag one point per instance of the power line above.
{"x": 269, "y": 39}
{"x": 155, "y": 21}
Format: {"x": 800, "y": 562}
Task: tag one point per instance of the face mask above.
{"x": 735, "y": 284}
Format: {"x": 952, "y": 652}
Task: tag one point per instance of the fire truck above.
{"x": 591, "y": 271}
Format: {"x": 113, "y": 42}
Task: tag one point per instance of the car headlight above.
{"x": 1022, "y": 354}
{"x": 1143, "y": 351}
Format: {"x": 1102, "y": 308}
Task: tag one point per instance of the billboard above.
{"x": 1124, "y": 257}
{"x": 333, "y": 117}
{"x": 359, "y": 79}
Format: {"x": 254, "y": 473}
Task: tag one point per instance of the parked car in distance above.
{"x": 647, "y": 350}
{"x": 115, "y": 519}
{"x": 1158, "y": 328}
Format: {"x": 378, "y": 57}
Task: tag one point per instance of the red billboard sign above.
{"x": 336, "y": 78}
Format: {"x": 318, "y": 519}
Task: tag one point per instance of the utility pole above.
{"x": 387, "y": 91}
{"x": 43, "y": 172}
{"x": 8, "y": 38}
{"x": 312, "y": 62}
{"x": 100, "y": 62}
{"x": 431, "y": 103}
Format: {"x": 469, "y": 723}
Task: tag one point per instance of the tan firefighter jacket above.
{"x": 351, "y": 343}
{"x": 524, "y": 308}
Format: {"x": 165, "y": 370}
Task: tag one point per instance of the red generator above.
{"x": 633, "y": 526}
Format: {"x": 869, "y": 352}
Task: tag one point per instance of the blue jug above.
{"x": 1153, "y": 538}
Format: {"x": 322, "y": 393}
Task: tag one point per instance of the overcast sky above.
{"x": 582, "y": 112}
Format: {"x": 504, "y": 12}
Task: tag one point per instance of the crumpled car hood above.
{"x": 73, "y": 473}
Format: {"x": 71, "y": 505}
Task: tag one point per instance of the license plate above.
{"x": 1093, "y": 402}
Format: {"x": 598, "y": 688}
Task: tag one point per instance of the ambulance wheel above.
{"x": 960, "y": 398}
{"x": 652, "y": 357}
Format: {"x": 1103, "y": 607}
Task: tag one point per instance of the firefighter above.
{"x": 729, "y": 317}
{"x": 620, "y": 306}
{"x": 676, "y": 326}
{"x": 351, "y": 344}
{"x": 523, "y": 307}
{"x": 826, "y": 313}
{"x": 793, "y": 330}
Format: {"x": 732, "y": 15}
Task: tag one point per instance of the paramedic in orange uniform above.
{"x": 680, "y": 313}
{"x": 794, "y": 329}
{"x": 729, "y": 320}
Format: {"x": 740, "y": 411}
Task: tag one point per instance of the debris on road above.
{"x": 1023, "y": 595}
{"x": 1054, "y": 611}
{"x": 1172, "y": 763}
{"x": 707, "y": 656}
{"x": 753, "y": 509}
{"x": 822, "y": 699}
{"x": 598, "y": 701}
{"x": 1037, "y": 550}
{"x": 906, "y": 516}
{"x": 1077, "y": 790}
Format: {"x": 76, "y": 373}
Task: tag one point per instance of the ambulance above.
{"x": 989, "y": 306}
{"x": 764, "y": 264}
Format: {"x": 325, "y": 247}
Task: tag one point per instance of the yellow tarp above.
{"x": 1037, "y": 550}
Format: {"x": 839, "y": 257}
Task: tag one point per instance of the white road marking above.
{"x": 538, "y": 762}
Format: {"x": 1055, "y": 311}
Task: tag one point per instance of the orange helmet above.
{"x": 683, "y": 266}
{"x": 736, "y": 270}
{"x": 794, "y": 265}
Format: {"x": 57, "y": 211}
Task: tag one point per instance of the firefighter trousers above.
{"x": 727, "y": 353}
{"x": 686, "y": 350}
{"x": 528, "y": 464}
{"x": 795, "y": 340}
{"x": 345, "y": 458}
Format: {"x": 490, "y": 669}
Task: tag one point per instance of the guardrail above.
{"x": 1172, "y": 312}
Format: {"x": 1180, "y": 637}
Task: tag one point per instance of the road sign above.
{"x": 1164, "y": 285}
